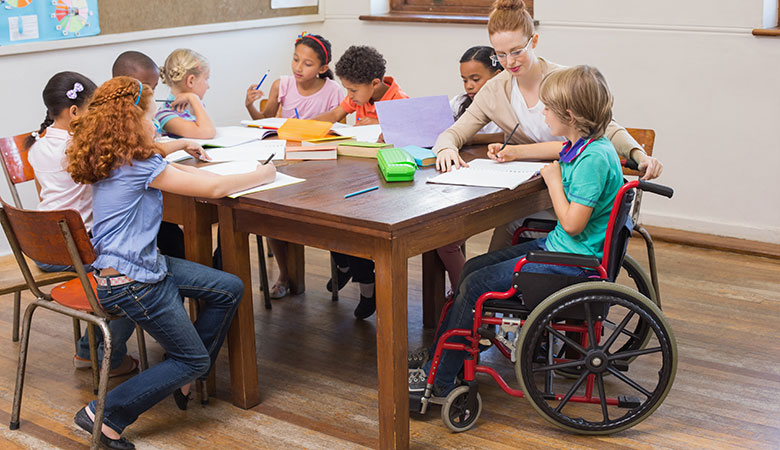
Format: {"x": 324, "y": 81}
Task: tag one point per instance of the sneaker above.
{"x": 81, "y": 363}
{"x": 418, "y": 358}
{"x": 366, "y": 307}
{"x": 344, "y": 277}
{"x": 279, "y": 290}
{"x": 417, "y": 380}
{"x": 128, "y": 365}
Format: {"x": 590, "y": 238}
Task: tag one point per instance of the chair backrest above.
{"x": 645, "y": 138}
{"x": 17, "y": 168}
{"x": 618, "y": 230}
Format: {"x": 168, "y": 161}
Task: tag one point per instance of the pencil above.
{"x": 262, "y": 79}
{"x": 296, "y": 113}
{"x": 362, "y": 191}
{"x": 509, "y": 137}
{"x": 269, "y": 158}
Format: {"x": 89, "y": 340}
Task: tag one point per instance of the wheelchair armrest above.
{"x": 561, "y": 259}
{"x": 540, "y": 224}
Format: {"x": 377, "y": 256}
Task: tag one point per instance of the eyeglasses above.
{"x": 498, "y": 57}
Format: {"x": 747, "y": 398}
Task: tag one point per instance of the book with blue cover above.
{"x": 422, "y": 156}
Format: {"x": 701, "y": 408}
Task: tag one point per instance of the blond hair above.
{"x": 181, "y": 63}
{"x": 583, "y": 92}
{"x": 510, "y": 15}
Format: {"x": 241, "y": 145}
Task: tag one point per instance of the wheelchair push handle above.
{"x": 656, "y": 188}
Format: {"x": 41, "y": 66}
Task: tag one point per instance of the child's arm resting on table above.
{"x": 184, "y": 180}
{"x": 201, "y": 128}
{"x": 334, "y": 115}
{"x": 573, "y": 216}
{"x": 193, "y": 148}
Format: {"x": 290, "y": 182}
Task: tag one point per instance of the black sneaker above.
{"x": 417, "y": 380}
{"x": 366, "y": 307}
{"x": 86, "y": 424}
{"x": 418, "y": 358}
{"x": 344, "y": 277}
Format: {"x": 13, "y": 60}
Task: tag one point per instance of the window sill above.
{"x": 426, "y": 18}
{"x": 767, "y": 31}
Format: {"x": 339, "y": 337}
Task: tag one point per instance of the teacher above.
{"x": 512, "y": 97}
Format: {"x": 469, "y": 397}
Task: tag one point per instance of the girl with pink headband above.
{"x": 307, "y": 93}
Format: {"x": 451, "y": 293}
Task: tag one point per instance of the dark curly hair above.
{"x": 361, "y": 64}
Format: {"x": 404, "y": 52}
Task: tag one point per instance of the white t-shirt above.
{"x": 58, "y": 190}
{"x": 531, "y": 119}
{"x": 458, "y": 100}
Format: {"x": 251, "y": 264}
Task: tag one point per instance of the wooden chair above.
{"x": 645, "y": 138}
{"x": 59, "y": 237}
{"x": 18, "y": 170}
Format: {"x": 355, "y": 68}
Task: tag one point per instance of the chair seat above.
{"x": 513, "y": 306}
{"x": 71, "y": 294}
{"x": 11, "y": 279}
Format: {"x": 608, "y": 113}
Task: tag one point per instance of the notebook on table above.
{"x": 489, "y": 173}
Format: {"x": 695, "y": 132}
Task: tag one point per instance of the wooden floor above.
{"x": 318, "y": 373}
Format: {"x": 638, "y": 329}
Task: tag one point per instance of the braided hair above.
{"x": 62, "y": 91}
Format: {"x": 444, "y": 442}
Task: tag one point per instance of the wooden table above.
{"x": 389, "y": 225}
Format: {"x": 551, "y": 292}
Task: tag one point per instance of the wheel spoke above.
{"x": 632, "y": 353}
{"x": 565, "y": 365}
{"x": 571, "y": 392}
{"x": 629, "y": 381}
{"x": 602, "y": 396}
{"x": 618, "y": 330}
{"x": 613, "y": 325}
{"x": 566, "y": 339}
{"x": 591, "y": 332}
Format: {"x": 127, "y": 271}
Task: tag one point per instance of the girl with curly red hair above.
{"x": 113, "y": 149}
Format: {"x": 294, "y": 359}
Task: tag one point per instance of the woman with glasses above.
{"x": 512, "y": 97}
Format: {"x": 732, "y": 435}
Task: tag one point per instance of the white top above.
{"x": 531, "y": 119}
{"x": 58, "y": 190}
{"x": 455, "y": 103}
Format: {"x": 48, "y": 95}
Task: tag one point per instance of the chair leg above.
{"x": 263, "y": 272}
{"x": 17, "y": 406}
{"x": 17, "y": 312}
{"x": 139, "y": 332}
{"x": 270, "y": 252}
{"x": 103, "y": 385}
{"x": 334, "y": 277}
{"x": 76, "y": 335}
{"x": 93, "y": 356}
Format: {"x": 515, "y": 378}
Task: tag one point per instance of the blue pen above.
{"x": 296, "y": 113}
{"x": 361, "y": 192}
{"x": 262, "y": 79}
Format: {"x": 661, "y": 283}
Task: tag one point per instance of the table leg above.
{"x": 296, "y": 267}
{"x": 391, "y": 342}
{"x": 241, "y": 336}
{"x": 433, "y": 288}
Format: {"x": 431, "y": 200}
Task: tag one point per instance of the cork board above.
{"x": 122, "y": 16}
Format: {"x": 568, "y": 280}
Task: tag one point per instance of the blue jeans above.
{"x": 121, "y": 328}
{"x": 485, "y": 273}
{"x": 192, "y": 347}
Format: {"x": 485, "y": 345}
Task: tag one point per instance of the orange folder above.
{"x": 303, "y": 130}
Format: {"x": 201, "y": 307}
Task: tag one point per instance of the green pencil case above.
{"x": 396, "y": 164}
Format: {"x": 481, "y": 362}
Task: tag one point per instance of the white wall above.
{"x": 690, "y": 70}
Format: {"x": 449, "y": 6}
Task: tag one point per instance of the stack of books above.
{"x": 360, "y": 149}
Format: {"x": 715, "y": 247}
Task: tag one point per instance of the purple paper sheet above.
{"x": 414, "y": 121}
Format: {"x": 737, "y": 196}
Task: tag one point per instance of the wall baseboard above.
{"x": 724, "y": 243}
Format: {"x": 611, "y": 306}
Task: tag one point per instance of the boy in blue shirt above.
{"x": 582, "y": 187}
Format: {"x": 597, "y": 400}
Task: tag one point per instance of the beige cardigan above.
{"x": 492, "y": 103}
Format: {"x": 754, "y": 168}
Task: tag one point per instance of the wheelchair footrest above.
{"x": 625, "y": 401}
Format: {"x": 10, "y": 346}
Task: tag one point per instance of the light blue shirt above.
{"x": 127, "y": 215}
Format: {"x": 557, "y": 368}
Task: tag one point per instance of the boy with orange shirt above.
{"x": 361, "y": 70}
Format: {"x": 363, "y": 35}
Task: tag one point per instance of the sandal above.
{"x": 279, "y": 290}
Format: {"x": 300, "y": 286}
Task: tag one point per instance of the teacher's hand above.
{"x": 447, "y": 159}
{"x": 650, "y": 168}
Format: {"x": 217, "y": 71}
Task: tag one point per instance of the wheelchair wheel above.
{"x": 593, "y": 403}
{"x": 456, "y": 412}
{"x": 635, "y": 334}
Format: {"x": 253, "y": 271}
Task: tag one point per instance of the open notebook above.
{"x": 489, "y": 173}
{"x": 235, "y": 167}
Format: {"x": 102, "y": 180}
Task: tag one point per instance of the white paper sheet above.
{"x": 251, "y": 151}
{"x": 365, "y": 133}
{"x": 489, "y": 173}
{"x": 281, "y": 180}
{"x": 232, "y": 136}
{"x": 236, "y": 167}
{"x": 232, "y": 168}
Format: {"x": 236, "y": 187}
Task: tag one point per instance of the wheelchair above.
{"x": 572, "y": 339}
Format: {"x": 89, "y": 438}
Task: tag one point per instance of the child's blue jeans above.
{"x": 192, "y": 347}
{"x": 485, "y": 273}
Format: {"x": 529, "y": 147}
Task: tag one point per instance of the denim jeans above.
{"x": 121, "y": 328}
{"x": 485, "y": 273}
{"x": 192, "y": 347}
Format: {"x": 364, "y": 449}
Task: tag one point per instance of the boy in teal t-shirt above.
{"x": 582, "y": 187}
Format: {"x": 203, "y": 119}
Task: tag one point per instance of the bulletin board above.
{"x": 123, "y": 16}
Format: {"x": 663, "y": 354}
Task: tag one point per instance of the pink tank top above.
{"x": 327, "y": 98}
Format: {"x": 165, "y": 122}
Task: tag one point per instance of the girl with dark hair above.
{"x": 476, "y": 68}
{"x": 309, "y": 92}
